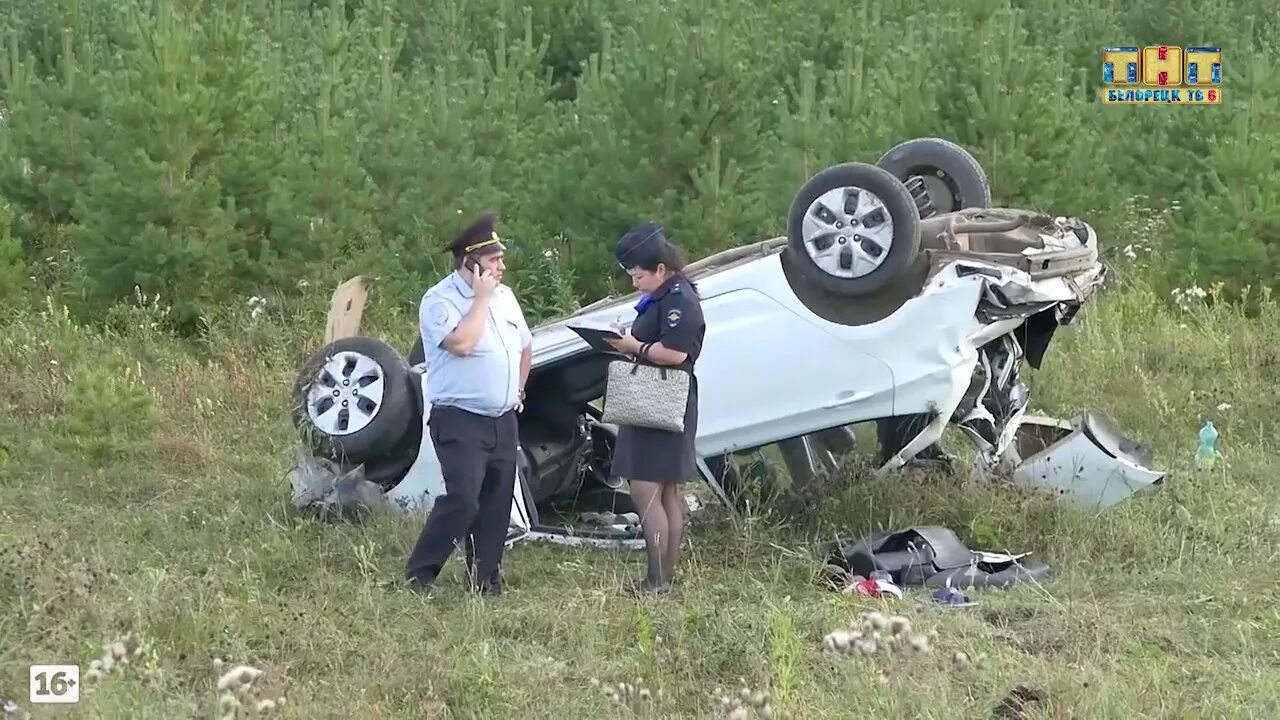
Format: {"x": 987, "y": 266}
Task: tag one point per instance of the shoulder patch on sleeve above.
{"x": 438, "y": 313}
{"x": 673, "y": 318}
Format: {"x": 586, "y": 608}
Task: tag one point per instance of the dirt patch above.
{"x": 1020, "y": 701}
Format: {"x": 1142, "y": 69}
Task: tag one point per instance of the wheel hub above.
{"x": 346, "y": 394}
{"x": 848, "y": 232}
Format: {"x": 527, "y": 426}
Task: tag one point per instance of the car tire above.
{"x": 380, "y": 408}
{"x": 953, "y": 177}
{"x": 417, "y": 354}
{"x": 388, "y": 468}
{"x": 897, "y": 208}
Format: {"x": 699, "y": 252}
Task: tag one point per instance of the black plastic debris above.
{"x": 932, "y": 556}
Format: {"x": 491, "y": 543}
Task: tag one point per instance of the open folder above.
{"x": 596, "y": 333}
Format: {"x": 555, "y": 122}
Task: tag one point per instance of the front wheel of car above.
{"x": 352, "y": 401}
{"x": 854, "y": 228}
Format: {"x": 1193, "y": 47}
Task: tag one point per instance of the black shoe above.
{"x": 492, "y": 587}
{"x": 419, "y": 587}
{"x": 642, "y": 587}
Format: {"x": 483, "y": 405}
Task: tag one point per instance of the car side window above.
{"x": 790, "y": 463}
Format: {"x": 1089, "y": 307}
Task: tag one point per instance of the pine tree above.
{"x": 49, "y": 127}
{"x": 321, "y": 205}
{"x": 150, "y": 214}
{"x": 14, "y": 282}
{"x": 1228, "y": 228}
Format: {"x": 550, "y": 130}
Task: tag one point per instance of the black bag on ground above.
{"x": 930, "y": 556}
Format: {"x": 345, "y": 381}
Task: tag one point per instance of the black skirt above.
{"x": 659, "y": 456}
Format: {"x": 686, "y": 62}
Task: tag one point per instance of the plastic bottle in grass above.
{"x": 1208, "y": 450}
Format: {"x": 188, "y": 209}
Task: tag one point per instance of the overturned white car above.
{"x": 897, "y": 296}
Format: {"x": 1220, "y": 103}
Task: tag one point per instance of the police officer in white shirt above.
{"x": 478, "y": 351}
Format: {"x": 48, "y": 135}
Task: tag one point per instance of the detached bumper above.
{"x": 1086, "y": 461}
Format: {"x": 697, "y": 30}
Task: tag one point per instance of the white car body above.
{"x": 772, "y": 368}
{"x": 897, "y": 296}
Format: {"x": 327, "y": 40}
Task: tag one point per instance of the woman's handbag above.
{"x": 648, "y": 396}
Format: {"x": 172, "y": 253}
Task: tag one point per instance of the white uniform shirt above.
{"x": 486, "y": 382}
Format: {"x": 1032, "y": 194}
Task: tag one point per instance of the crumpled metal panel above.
{"x": 326, "y": 489}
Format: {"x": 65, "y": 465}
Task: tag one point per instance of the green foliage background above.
{"x": 207, "y": 151}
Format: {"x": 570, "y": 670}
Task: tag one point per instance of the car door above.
{"x": 767, "y": 374}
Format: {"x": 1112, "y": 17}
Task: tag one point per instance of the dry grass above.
{"x": 148, "y": 508}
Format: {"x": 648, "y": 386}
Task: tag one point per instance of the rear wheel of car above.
{"x": 352, "y": 401}
{"x": 920, "y": 193}
{"x": 952, "y": 177}
{"x": 854, "y": 229}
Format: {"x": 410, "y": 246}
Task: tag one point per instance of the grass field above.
{"x": 143, "y": 495}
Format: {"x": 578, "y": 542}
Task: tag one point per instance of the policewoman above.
{"x": 668, "y": 330}
{"x": 478, "y": 352}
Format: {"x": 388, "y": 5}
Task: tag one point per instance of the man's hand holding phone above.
{"x": 482, "y": 281}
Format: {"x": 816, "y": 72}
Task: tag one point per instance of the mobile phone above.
{"x": 472, "y": 265}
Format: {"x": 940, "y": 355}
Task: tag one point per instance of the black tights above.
{"x": 661, "y": 511}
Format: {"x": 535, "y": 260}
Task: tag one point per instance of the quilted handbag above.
{"x": 648, "y": 396}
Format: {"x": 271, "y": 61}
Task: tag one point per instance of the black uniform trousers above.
{"x": 478, "y": 460}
